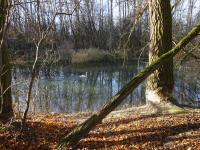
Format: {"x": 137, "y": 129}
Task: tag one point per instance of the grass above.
{"x": 97, "y": 55}
{"x": 91, "y": 55}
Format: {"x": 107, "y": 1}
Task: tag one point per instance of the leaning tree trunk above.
{"x": 5, "y": 73}
{"x": 160, "y": 83}
{"x": 83, "y": 129}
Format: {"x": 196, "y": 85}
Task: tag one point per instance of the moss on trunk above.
{"x": 83, "y": 129}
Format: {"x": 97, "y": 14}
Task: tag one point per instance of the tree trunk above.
{"x": 1, "y": 100}
{"x": 83, "y": 129}
{"x": 7, "y": 110}
{"x": 5, "y": 72}
{"x": 160, "y": 83}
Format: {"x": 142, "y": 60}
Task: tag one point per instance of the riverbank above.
{"x": 123, "y": 129}
{"x": 79, "y": 57}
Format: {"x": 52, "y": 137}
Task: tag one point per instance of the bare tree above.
{"x": 40, "y": 38}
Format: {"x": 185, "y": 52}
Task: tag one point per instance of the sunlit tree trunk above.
{"x": 84, "y": 128}
{"x": 5, "y": 72}
{"x": 160, "y": 83}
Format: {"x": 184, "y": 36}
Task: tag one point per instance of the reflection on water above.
{"x": 187, "y": 85}
{"x": 73, "y": 89}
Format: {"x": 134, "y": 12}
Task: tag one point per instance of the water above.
{"x": 87, "y": 88}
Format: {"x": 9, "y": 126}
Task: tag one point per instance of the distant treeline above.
{"x": 82, "y": 24}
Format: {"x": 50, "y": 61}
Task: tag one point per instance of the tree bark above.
{"x": 5, "y": 69}
{"x": 1, "y": 71}
{"x": 160, "y": 83}
{"x": 7, "y": 110}
{"x": 83, "y": 129}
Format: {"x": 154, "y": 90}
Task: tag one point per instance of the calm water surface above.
{"x": 87, "y": 88}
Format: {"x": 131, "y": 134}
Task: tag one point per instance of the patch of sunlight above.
{"x": 176, "y": 110}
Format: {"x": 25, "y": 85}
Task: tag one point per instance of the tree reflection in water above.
{"x": 63, "y": 89}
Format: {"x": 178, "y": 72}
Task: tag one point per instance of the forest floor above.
{"x": 124, "y": 129}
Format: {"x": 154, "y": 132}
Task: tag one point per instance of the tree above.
{"x": 5, "y": 70}
{"x": 160, "y": 83}
{"x": 83, "y": 129}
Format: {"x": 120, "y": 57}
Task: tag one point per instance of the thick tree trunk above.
{"x": 83, "y": 129}
{"x": 0, "y": 80}
{"x": 5, "y": 72}
{"x": 160, "y": 83}
{"x": 7, "y": 110}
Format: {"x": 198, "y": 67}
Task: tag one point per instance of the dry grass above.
{"x": 90, "y": 55}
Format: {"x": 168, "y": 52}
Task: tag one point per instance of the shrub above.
{"x": 90, "y": 55}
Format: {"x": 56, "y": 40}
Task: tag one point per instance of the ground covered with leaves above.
{"x": 163, "y": 131}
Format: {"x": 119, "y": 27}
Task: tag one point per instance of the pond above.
{"x": 74, "y": 88}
